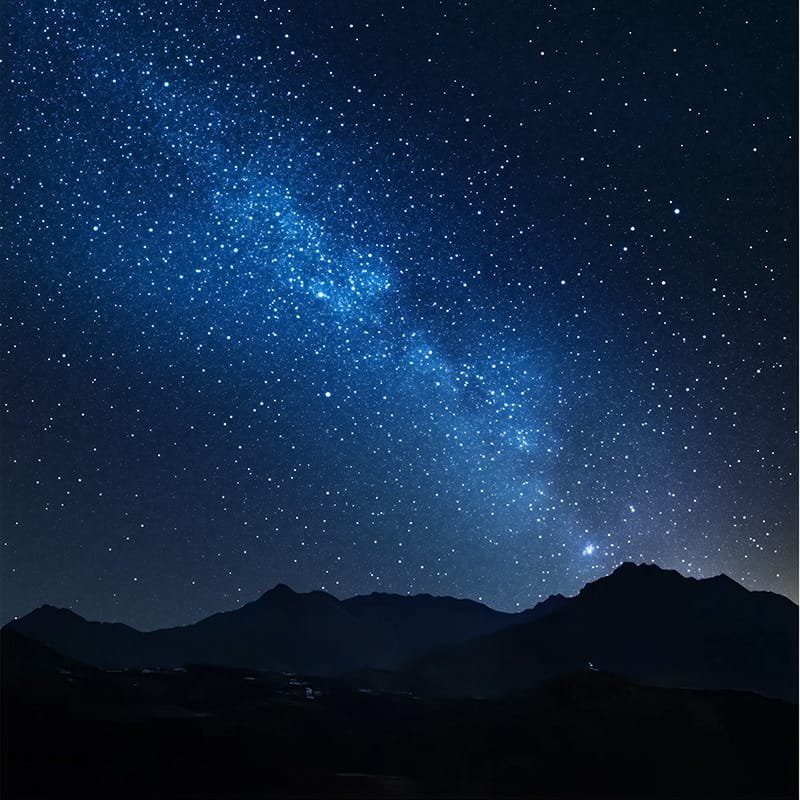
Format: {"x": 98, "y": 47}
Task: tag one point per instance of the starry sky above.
{"x": 470, "y": 298}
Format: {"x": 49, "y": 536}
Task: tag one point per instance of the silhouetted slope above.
{"x": 102, "y": 644}
{"x": 23, "y": 660}
{"x": 553, "y": 603}
{"x": 649, "y": 625}
{"x": 418, "y": 624}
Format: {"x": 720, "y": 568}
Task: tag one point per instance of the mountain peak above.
{"x": 48, "y": 611}
{"x": 649, "y": 579}
{"x": 630, "y": 568}
{"x": 641, "y": 573}
{"x": 725, "y": 580}
{"x": 280, "y": 590}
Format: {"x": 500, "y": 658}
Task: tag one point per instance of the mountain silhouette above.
{"x": 642, "y": 623}
{"x": 620, "y": 691}
{"x": 283, "y": 630}
{"x": 421, "y": 623}
{"x": 646, "y": 624}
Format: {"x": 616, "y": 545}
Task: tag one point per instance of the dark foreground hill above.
{"x": 71, "y": 731}
{"x": 646, "y": 624}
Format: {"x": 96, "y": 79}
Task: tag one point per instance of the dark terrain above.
{"x": 511, "y": 712}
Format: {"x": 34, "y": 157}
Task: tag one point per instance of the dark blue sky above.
{"x": 470, "y": 298}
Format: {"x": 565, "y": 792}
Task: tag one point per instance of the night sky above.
{"x": 468, "y": 298}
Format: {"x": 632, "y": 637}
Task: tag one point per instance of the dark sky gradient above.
{"x": 469, "y": 298}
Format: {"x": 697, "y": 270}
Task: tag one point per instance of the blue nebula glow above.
{"x": 382, "y": 299}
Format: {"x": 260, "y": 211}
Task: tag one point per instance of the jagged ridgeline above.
{"x": 642, "y": 623}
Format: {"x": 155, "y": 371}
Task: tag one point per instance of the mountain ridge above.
{"x": 649, "y": 625}
{"x": 280, "y": 587}
{"x": 642, "y": 622}
{"x": 309, "y": 632}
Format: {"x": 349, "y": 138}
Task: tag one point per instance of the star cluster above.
{"x": 466, "y": 298}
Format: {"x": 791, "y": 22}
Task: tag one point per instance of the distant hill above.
{"x": 283, "y": 630}
{"x": 643, "y": 623}
{"x": 421, "y": 623}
